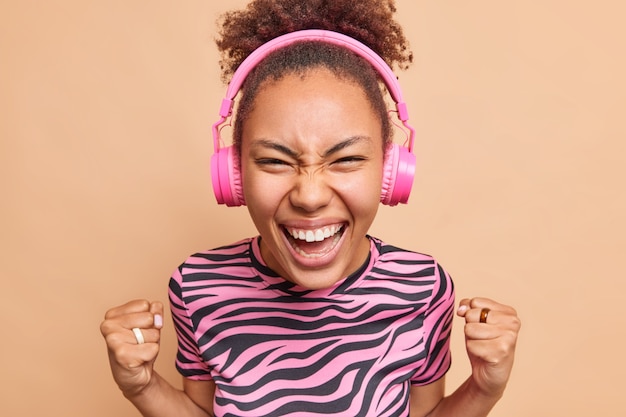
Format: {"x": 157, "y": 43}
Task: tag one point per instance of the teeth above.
{"x": 317, "y": 235}
{"x": 314, "y": 255}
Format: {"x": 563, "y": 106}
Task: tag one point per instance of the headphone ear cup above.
{"x": 398, "y": 175}
{"x": 226, "y": 177}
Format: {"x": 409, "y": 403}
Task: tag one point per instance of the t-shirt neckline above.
{"x": 279, "y": 284}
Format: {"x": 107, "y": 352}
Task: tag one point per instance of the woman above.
{"x": 313, "y": 316}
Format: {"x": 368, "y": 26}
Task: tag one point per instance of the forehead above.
{"x": 315, "y": 104}
{"x": 316, "y": 78}
{"x": 312, "y": 91}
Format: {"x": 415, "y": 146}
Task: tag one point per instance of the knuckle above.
{"x": 113, "y": 341}
{"x": 503, "y": 349}
{"x": 106, "y": 327}
{"x": 146, "y": 353}
{"x": 514, "y": 323}
{"x": 153, "y": 350}
{"x": 136, "y": 306}
{"x": 156, "y": 335}
{"x": 110, "y": 313}
{"x": 126, "y": 356}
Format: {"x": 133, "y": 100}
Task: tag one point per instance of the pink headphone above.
{"x": 399, "y": 169}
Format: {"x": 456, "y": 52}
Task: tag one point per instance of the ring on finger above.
{"x": 138, "y": 335}
{"x": 484, "y": 313}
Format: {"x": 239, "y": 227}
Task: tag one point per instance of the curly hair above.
{"x": 368, "y": 21}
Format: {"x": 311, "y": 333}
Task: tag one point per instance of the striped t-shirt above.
{"x": 276, "y": 349}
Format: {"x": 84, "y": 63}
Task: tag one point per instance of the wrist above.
{"x": 484, "y": 391}
{"x": 136, "y": 393}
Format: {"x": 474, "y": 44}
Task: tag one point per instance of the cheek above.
{"x": 259, "y": 203}
{"x": 361, "y": 191}
{"x": 263, "y": 193}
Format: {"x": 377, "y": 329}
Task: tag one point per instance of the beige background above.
{"x": 105, "y": 113}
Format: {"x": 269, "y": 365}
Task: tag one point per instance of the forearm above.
{"x": 161, "y": 399}
{"x": 467, "y": 401}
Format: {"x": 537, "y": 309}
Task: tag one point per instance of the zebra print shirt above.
{"x": 275, "y": 349}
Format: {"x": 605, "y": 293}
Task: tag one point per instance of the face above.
{"x": 311, "y": 161}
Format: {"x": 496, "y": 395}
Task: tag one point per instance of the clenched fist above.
{"x": 132, "y": 333}
{"x": 491, "y": 331}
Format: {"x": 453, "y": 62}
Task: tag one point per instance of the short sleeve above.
{"x": 189, "y": 362}
{"x": 437, "y": 330}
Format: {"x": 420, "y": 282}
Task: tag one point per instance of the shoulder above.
{"x": 399, "y": 263}
{"x": 223, "y": 255}
{"x": 222, "y": 267}
{"x": 388, "y": 253}
{"x": 217, "y": 259}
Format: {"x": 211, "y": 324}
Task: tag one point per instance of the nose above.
{"x": 311, "y": 192}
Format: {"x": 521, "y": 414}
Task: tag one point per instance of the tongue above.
{"x": 316, "y": 248}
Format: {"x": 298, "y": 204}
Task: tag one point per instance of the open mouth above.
{"x": 314, "y": 243}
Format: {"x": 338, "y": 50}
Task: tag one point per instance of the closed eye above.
{"x": 270, "y": 161}
{"x": 350, "y": 159}
{"x": 274, "y": 165}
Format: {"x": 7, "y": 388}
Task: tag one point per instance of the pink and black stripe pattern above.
{"x": 275, "y": 349}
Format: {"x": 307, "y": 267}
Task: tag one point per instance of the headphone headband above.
{"x": 399, "y": 166}
{"x": 326, "y": 36}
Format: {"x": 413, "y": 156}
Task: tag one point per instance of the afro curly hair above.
{"x": 368, "y": 21}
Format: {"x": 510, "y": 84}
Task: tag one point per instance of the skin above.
{"x": 311, "y": 157}
{"x": 310, "y": 160}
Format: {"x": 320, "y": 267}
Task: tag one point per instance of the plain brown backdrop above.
{"x": 105, "y": 114}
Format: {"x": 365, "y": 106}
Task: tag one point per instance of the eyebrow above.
{"x": 345, "y": 144}
{"x": 267, "y": 143}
